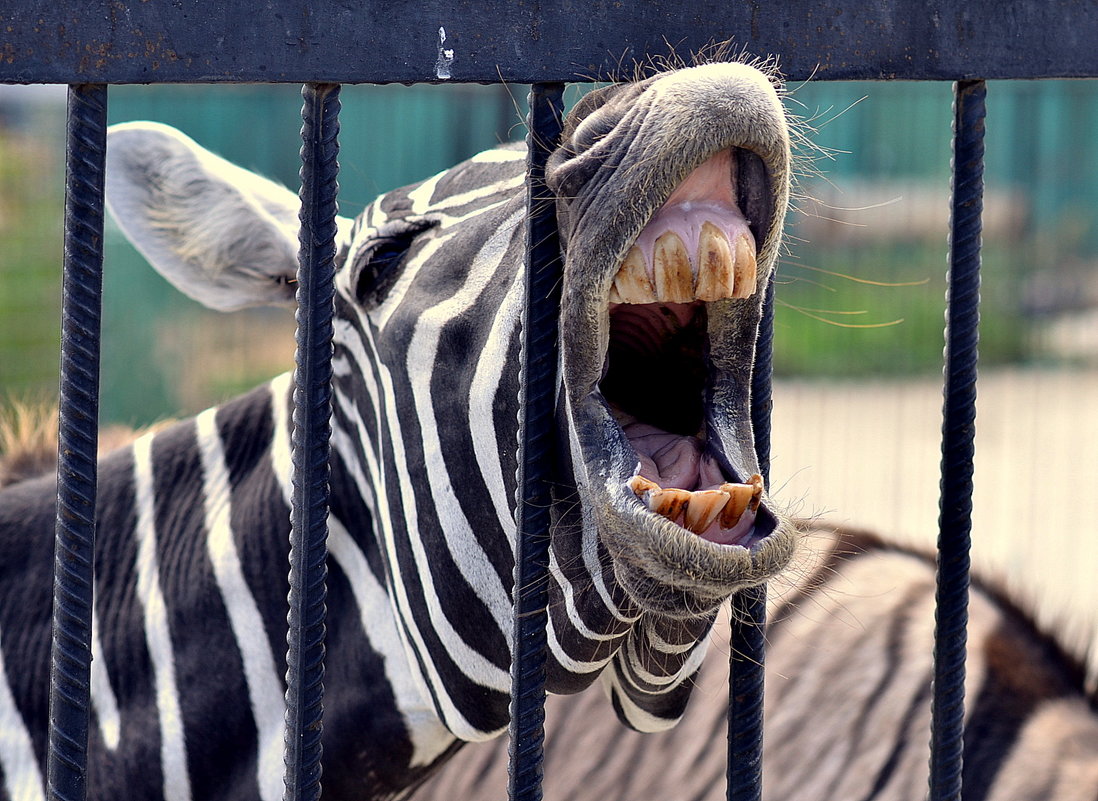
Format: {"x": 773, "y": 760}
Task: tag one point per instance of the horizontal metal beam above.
{"x": 383, "y": 41}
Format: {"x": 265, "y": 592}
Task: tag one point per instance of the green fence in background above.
{"x": 1044, "y": 137}
{"x": 390, "y": 135}
{"x": 884, "y": 145}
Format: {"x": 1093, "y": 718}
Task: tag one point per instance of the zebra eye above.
{"x": 378, "y": 265}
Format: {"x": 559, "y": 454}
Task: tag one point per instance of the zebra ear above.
{"x": 221, "y": 234}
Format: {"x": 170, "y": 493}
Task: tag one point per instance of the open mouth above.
{"x": 693, "y": 259}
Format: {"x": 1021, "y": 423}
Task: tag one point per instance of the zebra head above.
{"x": 670, "y": 196}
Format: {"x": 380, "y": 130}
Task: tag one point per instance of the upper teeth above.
{"x": 719, "y": 269}
{"x": 697, "y": 510}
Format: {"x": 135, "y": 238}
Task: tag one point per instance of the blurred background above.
{"x": 859, "y": 322}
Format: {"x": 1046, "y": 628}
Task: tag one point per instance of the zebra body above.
{"x": 189, "y": 629}
{"x": 849, "y": 667}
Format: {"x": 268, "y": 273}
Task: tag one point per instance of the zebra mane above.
{"x": 1062, "y": 637}
{"x": 28, "y": 439}
{"x": 1065, "y": 637}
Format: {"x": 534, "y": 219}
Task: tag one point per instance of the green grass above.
{"x": 31, "y": 191}
{"x": 856, "y": 312}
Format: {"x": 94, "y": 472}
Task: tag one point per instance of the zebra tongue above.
{"x": 672, "y": 460}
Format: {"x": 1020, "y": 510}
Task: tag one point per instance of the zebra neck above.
{"x": 380, "y": 723}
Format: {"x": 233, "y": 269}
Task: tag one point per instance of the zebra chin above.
{"x": 670, "y": 571}
{"x": 671, "y": 198}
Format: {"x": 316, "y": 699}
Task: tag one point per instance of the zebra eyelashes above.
{"x": 379, "y": 261}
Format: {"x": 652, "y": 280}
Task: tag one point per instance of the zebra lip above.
{"x": 724, "y": 514}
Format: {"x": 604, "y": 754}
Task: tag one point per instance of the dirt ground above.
{"x": 866, "y": 454}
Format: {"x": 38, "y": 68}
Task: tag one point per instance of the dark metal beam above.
{"x": 537, "y": 443}
{"x": 193, "y": 41}
{"x": 311, "y": 435}
{"x": 958, "y": 442}
{"x": 78, "y": 432}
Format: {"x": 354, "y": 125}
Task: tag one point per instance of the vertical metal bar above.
{"x": 748, "y": 646}
{"x": 958, "y": 433}
{"x": 762, "y": 401}
{"x": 78, "y": 433}
{"x": 536, "y": 447}
{"x": 311, "y": 435}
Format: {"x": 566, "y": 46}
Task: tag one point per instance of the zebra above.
{"x": 670, "y": 193}
{"x": 847, "y": 711}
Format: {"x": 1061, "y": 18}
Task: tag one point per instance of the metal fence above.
{"x": 91, "y": 45}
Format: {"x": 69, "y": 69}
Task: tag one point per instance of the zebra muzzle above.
{"x": 721, "y": 515}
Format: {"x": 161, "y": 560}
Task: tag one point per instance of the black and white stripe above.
{"x": 193, "y": 520}
{"x": 849, "y": 671}
{"x": 193, "y": 529}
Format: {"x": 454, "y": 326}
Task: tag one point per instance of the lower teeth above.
{"x": 697, "y": 510}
